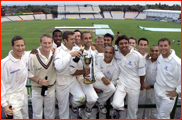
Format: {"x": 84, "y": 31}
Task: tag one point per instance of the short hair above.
{"x": 153, "y": 46}
{"x": 15, "y": 39}
{"x": 109, "y": 35}
{"x": 45, "y": 35}
{"x": 84, "y": 33}
{"x": 131, "y": 37}
{"x": 165, "y": 39}
{"x": 78, "y": 31}
{"x": 144, "y": 39}
{"x": 66, "y": 34}
{"x": 56, "y": 31}
{"x": 99, "y": 37}
{"x": 111, "y": 47}
{"x": 121, "y": 38}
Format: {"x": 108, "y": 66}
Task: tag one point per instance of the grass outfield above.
{"x": 31, "y": 31}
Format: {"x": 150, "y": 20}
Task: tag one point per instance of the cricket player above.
{"x": 131, "y": 78}
{"x": 143, "y": 45}
{"x": 150, "y": 79}
{"x": 65, "y": 82}
{"x": 14, "y": 73}
{"x": 168, "y": 80}
{"x": 41, "y": 65}
{"x": 76, "y": 69}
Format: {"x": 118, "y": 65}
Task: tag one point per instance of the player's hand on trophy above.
{"x": 106, "y": 81}
{"x": 76, "y": 53}
{"x": 87, "y": 70}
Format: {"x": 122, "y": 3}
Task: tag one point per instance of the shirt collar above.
{"x": 13, "y": 58}
{"x": 39, "y": 53}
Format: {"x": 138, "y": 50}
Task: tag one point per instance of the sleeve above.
{"x": 141, "y": 66}
{"x": 75, "y": 66}
{"x": 30, "y": 68}
{"x": 98, "y": 72}
{"x": 178, "y": 88}
{"x": 61, "y": 62}
{"x": 4, "y": 77}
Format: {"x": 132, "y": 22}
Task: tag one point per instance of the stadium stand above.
{"x": 96, "y": 8}
{"x": 61, "y": 16}
{"x": 27, "y": 17}
{"x": 141, "y": 16}
{"x": 73, "y": 16}
{"x": 117, "y": 14}
{"x": 3, "y": 19}
{"x": 97, "y": 15}
{"x": 87, "y": 8}
{"x": 60, "y": 8}
{"x": 14, "y": 18}
{"x": 71, "y": 8}
{"x": 107, "y": 14}
{"x": 49, "y": 16}
{"x": 130, "y": 14}
{"x": 40, "y": 16}
{"x": 86, "y": 16}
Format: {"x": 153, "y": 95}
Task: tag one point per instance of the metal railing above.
{"x": 108, "y": 106}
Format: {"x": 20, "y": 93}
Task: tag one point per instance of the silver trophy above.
{"x": 88, "y": 79}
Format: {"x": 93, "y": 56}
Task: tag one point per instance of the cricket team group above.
{"x": 122, "y": 74}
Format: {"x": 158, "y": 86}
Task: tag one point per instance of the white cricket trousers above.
{"x": 19, "y": 101}
{"x": 108, "y": 90}
{"x": 91, "y": 95}
{"x": 150, "y": 113}
{"x": 49, "y": 105}
{"x": 132, "y": 101}
{"x": 141, "y": 100}
{"x": 62, "y": 95}
{"x": 163, "y": 103}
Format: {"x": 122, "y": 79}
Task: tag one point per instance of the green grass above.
{"x": 31, "y": 31}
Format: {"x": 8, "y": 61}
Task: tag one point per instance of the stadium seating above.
{"x": 71, "y": 8}
{"x": 86, "y": 16}
{"x": 141, "y": 16}
{"x": 107, "y": 14}
{"x": 73, "y": 16}
{"x": 60, "y": 8}
{"x": 39, "y": 16}
{"x": 96, "y": 8}
{"x": 130, "y": 15}
{"x": 117, "y": 14}
{"x": 97, "y": 15}
{"x": 88, "y": 8}
{"x": 4, "y": 19}
{"x": 61, "y": 16}
{"x": 14, "y": 18}
{"x": 49, "y": 16}
{"x": 26, "y": 17}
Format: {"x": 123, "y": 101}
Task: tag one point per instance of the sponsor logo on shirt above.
{"x": 101, "y": 67}
{"x": 38, "y": 68}
{"x": 26, "y": 64}
{"x": 118, "y": 59}
{"x": 108, "y": 72}
{"x": 158, "y": 62}
{"x": 129, "y": 63}
{"x": 141, "y": 67}
{"x": 96, "y": 64}
{"x": 15, "y": 71}
{"x": 166, "y": 68}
